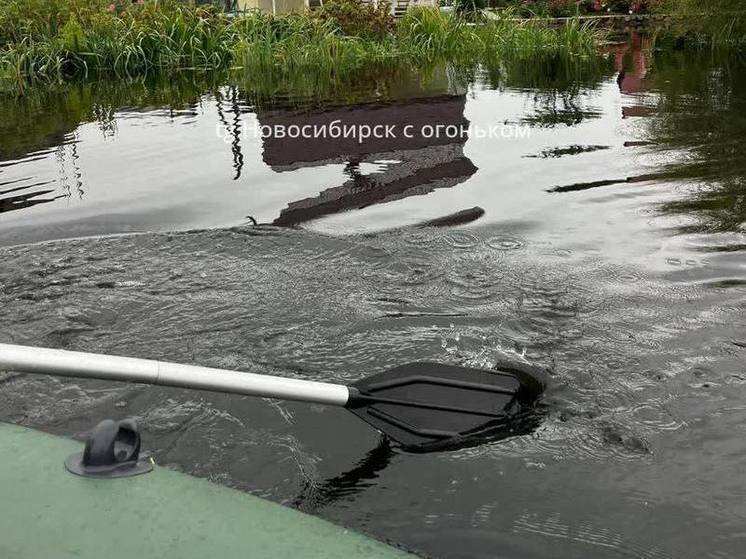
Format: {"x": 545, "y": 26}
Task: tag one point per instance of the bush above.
{"x": 355, "y": 18}
{"x": 569, "y": 8}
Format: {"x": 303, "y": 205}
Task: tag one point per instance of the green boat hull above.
{"x": 48, "y": 512}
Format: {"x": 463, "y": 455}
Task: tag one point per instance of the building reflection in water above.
{"x": 402, "y": 166}
{"x": 377, "y": 170}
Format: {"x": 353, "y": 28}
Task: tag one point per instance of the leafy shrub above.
{"x": 569, "y": 8}
{"x": 355, "y": 18}
{"x": 546, "y": 8}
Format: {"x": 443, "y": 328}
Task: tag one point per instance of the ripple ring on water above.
{"x": 505, "y": 243}
{"x": 461, "y": 240}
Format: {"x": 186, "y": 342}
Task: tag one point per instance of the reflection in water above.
{"x": 69, "y": 177}
{"x": 26, "y": 199}
{"x": 234, "y": 128}
{"x": 565, "y": 111}
{"x": 578, "y": 186}
{"x": 404, "y": 165}
{"x": 45, "y": 124}
{"x": 701, "y": 125}
{"x": 691, "y": 139}
{"x": 317, "y": 495}
{"x": 105, "y": 117}
{"x": 632, "y": 59}
{"x": 564, "y": 151}
{"x": 138, "y": 114}
{"x": 558, "y": 91}
{"x": 67, "y": 156}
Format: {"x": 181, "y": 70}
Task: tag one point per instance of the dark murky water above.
{"x": 611, "y": 252}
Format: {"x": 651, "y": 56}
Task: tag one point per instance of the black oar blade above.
{"x": 428, "y": 405}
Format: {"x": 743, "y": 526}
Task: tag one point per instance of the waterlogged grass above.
{"x": 55, "y": 40}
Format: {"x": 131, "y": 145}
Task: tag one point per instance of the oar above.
{"x": 417, "y": 405}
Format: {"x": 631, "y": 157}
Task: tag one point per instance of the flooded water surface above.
{"x": 606, "y": 244}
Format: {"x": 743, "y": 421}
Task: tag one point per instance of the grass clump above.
{"x": 297, "y": 41}
{"x": 431, "y": 33}
{"x": 55, "y": 40}
{"x": 38, "y": 20}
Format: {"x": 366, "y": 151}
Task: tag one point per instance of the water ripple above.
{"x": 631, "y": 359}
{"x": 461, "y": 240}
{"x": 505, "y": 243}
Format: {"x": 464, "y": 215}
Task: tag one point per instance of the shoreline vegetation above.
{"x": 57, "y": 40}
{"x": 53, "y": 41}
{"x": 714, "y": 23}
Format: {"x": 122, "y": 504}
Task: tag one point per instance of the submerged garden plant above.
{"x": 55, "y": 40}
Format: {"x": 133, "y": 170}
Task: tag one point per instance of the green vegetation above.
{"x": 469, "y": 9}
{"x": 719, "y": 23}
{"x": 55, "y": 40}
{"x": 358, "y": 20}
{"x": 570, "y": 8}
{"x": 430, "y": 33}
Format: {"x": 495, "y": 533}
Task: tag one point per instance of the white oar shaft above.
{"x": 57, "y": 362}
